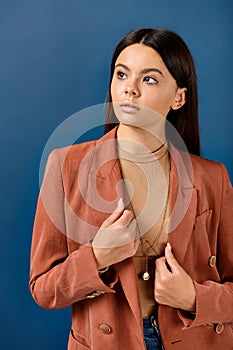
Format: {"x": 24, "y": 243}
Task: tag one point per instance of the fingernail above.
{"x": 169, "y": 246}
{"x": 120, "y": 204}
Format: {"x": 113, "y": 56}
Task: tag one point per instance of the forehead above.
{"x": 140, "y": 56}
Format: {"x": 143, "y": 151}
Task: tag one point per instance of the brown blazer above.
{"x": 78, "y": 194}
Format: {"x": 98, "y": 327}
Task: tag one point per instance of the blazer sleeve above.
{"x": 59, "y": 279}
{"x": 214, "y": 301}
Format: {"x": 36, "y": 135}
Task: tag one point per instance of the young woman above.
{"x": 133, "y": 230}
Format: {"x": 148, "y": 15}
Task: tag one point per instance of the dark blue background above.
{"x": 54, "y": 61}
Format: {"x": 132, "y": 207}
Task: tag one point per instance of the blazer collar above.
{"x": 105, "y": 156}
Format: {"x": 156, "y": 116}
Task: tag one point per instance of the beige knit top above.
{"x": 145, "y": 175}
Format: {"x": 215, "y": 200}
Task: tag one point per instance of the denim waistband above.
{"x": 149, "y": 321}
{"x": 151, "y": 333}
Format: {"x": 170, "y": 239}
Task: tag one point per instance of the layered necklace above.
{"x": 152, "y": 245}
{"x": 146, "y": 275}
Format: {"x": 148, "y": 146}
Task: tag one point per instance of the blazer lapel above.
{"x": 101, "y": 188}
{"x": 129, "y": 281}
{"x": 106, "y": 169}
{"x": 183, "y": 203}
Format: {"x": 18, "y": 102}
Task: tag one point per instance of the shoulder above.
{"x": 204, "y": 164}
{"x": 201, "y": 163}
{"x": 206, "y": 170}
{"x": 75, "y": 153}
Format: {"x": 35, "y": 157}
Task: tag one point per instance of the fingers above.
{"x": 168, "y": 263}
{"x": 171, "y": 260}
{"x": 125, "y": 218}
{"x": 120, "y": 217}
{"x": 120, "y": 206}
{"x": 115, "y": 215}
{"x": 161, "y": 268}
{"x": 173, "y": 286}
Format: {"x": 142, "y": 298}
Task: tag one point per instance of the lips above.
{"x": 129, "y": 107}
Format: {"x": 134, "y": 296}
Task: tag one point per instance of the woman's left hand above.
{"x": 173, "y": 286}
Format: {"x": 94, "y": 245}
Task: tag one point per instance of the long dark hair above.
{"x": 178, "y": 60}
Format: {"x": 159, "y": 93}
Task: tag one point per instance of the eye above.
{"x": 150, "y": 80}
{"x": 121, "y": 75}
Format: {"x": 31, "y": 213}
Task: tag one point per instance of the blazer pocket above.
{"x": 76, "y": 342}
{"x": 203, "y": 218}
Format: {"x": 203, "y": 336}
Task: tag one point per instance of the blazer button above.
{"x": 212, "y": 261}
{"x": 105, "y": 328}
{"x": 219, "y": 328}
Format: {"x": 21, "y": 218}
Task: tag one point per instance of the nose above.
{"x": 131, "y": 91}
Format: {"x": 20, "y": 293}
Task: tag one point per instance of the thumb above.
{"x": 171, "y": 260}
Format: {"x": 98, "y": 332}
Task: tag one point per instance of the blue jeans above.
{"x": 151, "y": 334}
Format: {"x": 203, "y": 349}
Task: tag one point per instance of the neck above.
{"x": 148, "y": 138}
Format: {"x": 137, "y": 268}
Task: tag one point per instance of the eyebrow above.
{"x": 144, "y": 71}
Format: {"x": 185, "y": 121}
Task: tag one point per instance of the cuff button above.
{"x": 105, "y": 328}
{"x": 219, "y": 328}
{"x": 212, "y": 261}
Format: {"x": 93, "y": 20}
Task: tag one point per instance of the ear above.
{"x": 179, "y": 99}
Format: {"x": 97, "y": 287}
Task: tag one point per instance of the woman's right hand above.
{"x": 116, "y": 239}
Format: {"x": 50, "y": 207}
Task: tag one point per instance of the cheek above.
{"x": 113, "y": 90}
{"x": 159, "y": 103}
{"x": 163, "y": 100}
{"x": 117, "y": 89}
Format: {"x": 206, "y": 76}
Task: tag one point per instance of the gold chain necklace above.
{"x": 146, "y": 275}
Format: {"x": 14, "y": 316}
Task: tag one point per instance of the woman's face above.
{"x": 141, "y": 78}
